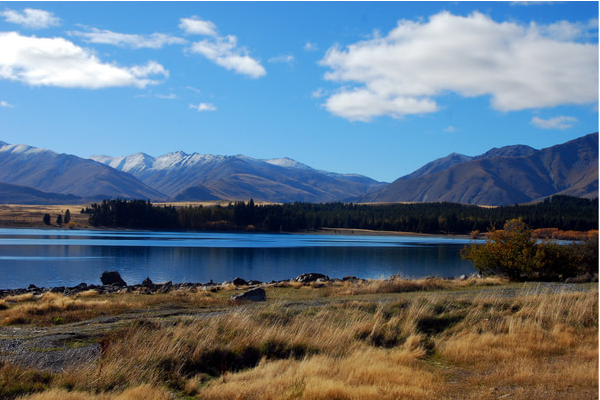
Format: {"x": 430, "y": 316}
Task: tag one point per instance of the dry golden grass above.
{"x": 52, "y": 308}
{"x": 471, "y": 344}
{"x": 364, "y": 374}
{"x": 55, "y": 308}
{"x": 406, "y": 285}
{"x": 142, "y": 392}
{"x": 32, "y": 215}
{"x": 538, "y": 346}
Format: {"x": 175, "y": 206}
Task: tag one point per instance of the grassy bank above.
{"x": 427, "y": 339}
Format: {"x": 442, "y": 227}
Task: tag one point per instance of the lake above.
{"x": 66, "y": 258}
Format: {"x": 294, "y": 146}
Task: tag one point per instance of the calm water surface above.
{"x": 67, "y": 258}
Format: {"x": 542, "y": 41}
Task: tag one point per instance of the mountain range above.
{"x": 506, "y": 175}
{"x": 195, "y": 177}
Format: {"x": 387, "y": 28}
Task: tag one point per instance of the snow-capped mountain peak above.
{"x": 287, "y": 163}
{"x": 22, "y": 149}
{"x": 134, "y": 162}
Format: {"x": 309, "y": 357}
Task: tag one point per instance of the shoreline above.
{"x": 320, "y": 231}
{"x": 369, "y": 232}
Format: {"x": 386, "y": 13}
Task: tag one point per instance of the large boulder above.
{"x": 147, "y": 283}
{"x": 239, "y": 282}
{"x": 165, "y": 287}
{"x": 112, "y": 278}
{"x": 311, "y": 277}
{"x": 256, "y": 294}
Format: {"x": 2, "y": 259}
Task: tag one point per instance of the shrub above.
{"x": 509, "y": 252}
{"x": 513, "y": 253}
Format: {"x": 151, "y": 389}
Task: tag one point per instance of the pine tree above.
{"x": 67, "y": 218}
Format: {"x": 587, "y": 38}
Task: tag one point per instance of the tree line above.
{"x": 562, "y": 212}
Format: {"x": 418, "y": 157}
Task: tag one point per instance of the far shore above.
{"x": 320, "y": 231}
{"x": 368, "y": 232}
{"x": 30, "y": 217}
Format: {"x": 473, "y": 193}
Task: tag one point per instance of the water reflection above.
{"x": 56, "y": 259}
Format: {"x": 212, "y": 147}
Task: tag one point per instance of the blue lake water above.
{"x": 67, "y": 258}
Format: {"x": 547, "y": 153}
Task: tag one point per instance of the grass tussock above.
{"x": 142, "y": 392}
{"x": 538, "y": 343}
{"x": 16, "y": 381}
{"x": 400, "y": 285}
{"x": 530, "y": 343}
{"x": 368, "y": 373}
{"x": 55, "y": 308}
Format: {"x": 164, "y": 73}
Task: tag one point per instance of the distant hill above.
{"x": 196, "y": 177}
{"x": 47, "y": 171}
{"x": 509, "y": 175}
{"x": 14, "y": 194}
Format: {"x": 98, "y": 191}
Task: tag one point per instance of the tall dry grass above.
{"x": 534, "y": 346}
{"x": 400, "y": 285}
{"x": 520, "y": 344}
{"x": 51, "y": 308}
{"x": 142, "y": 392}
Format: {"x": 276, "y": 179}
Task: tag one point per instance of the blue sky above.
{"x": 377, "y": 88}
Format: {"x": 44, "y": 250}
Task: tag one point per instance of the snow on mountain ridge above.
{"x": 287, "y": 163}
{"x": 134, "y": 162}
{"x": 22, "y": 149}
{"x": 179, "y": 159}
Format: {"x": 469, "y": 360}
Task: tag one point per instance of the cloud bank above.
{"x": 60, "y": 63}
{"x": 134, "y": 41}
{"x": 31, "y": 18}
{"x": 519, "y": 67}
{"x": 561, "y": 122}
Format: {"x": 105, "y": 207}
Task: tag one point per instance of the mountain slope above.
{"x": 48, "y": 171}
{"x": 208, "y": 177}
{"x": 498, "y": 177}
{"x": 14, "y": 194}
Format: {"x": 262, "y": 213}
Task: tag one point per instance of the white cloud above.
{"x": 58, "y": 62}
{"x": 560, "y": 122}
{"x": 153, "y": 41}
{"x": 170, "y": 96}
{"x": 530, "y": 3}
{"x": 311, "y": 46}
{"x": 193, "y": 89}
{"x": 450, "y": 129}
{"x": 287, "y": 59}
{"x": 196, "y": 26}
{"x": 5, "y": 104}
{"x": 519, "y": 67}
{"x": 31, "y": 18}
{"x": 567, "y": 31}
{"x": 224, "y": 51}
{"x": 316, "y": 94}
{"x": 203, "y": 107}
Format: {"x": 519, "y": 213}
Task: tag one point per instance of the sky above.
{"x": 375, "y": 88}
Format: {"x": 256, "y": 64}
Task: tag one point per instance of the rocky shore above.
{"x": 113, "y": 283}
